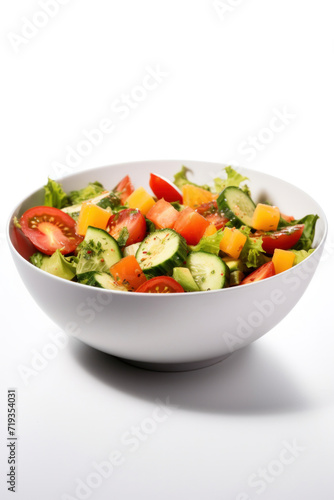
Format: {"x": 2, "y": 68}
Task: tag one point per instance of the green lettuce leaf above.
{"x": 54, "y": 195}
{"x": 56, "y": 264}
{"x": 38, "y": 258}
{"x": 252, "y": 254}
{"x": 59, "y": 266}
{"x": 233, "y": 179}
{"x": 306, "y": 239}
{"x": 301, "y": 255}
{"x": 93, "y": 189}
{"x": 208, "y": 243}
{"x": 180, "y": 179}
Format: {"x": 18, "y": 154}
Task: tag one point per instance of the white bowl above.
{"x": 172, "y": 331}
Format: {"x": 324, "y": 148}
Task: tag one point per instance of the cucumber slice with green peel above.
{"x": 208, "y": 270}
{"x": 85, "y": 277}
{"x": 237, "y": 206}
{"x": 74, "y": 210}
{"x": 183, "y": 276}
{"x": 236, "y": 277}
{"x": 98, "y": 252}
{"x": 105, "y": 280}
{"x": 161, "y": 251}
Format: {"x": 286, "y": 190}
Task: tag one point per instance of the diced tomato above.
{"x": 160, "y": 284}
{"x": 265, "y": 271}
{"x": 163, "y": 188}
{"x": 127, "y": 272}
{"x": 163, "y": 214}
{"x": 133, "y": 220}
{"x": 191, "y": 225}
{"x": 284, "y": 239}
{"x": 212, "y": 214}
{"x": 49, "y": 229}
{"x": 125, "y": 188}
{"x": 288, "y": 218}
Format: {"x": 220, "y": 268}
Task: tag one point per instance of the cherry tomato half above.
{"x": 125, "y": 188}
{"x": 161, "y": 284}
{"x": 265, "y": 271}
{"x": 133, "y": 220}
{"x": 163, "y": 188}
{"x": 211, "y": 213}
{"x": 284, "y": 239}
{"x": 49, "y": 229}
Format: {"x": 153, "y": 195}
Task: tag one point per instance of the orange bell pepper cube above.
{"x": 127, "y": 272}
{"x": 191, "y": 225}
{"x": 163, "y": 214}
{"x": 92, "y": 215}
{"x": 232, "y": 242}
{"x": 282, "y": 260}
{"x": 194, "y": 196}
{"x": 265, "y": 217}
{"x": 140, "y": 199}
{"x": 210, "y": 230}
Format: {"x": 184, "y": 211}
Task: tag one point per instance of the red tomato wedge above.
{"x": 284, "y": 239}
{"x": 191, "y": 225}
{"x": 161, "y": 284}
{"x": 127, "y": 272}
{"x": 163, "y": 188}
{"x": 133, "y": 220}
{"x": 50, "y": 229}
{"x": 265, "y": 271}
{"x": 162, "y": 214}
{"x": 125, "y": 188}
{"x": 211, "y": 213}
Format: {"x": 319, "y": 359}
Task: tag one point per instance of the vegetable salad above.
{"x": 179, "y": 237}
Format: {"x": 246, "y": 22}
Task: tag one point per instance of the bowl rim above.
{"x": 146, "y": 162}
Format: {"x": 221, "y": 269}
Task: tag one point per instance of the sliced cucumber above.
{"x": 161, "y": 251}
{"x": 105, "y": 280}
{"x": 237, "y": 206}
{"x": 131, "y": 249}
{"x": 98, "y": 252}
{"x": 74, "y": 210}
{"x": 208, "y": 270}
{"x": 183, "y": 276}
{"x": 236, "y": 277}
{"x": 85, "y": 277}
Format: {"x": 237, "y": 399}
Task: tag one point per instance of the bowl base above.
{"x": 175, "y": 367}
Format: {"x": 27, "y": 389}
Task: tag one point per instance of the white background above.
{"x": 226, "y": 74}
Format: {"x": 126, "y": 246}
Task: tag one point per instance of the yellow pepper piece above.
{"x": 265, "y": 217}
{"x": 194, "y": 196}
{"x": 232, "y": 242}
{"x": 141, "y": 200}
{"x": 210, "y": 230}
{"x": 282, "y": 260}
{"x": 92, "y": 215}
